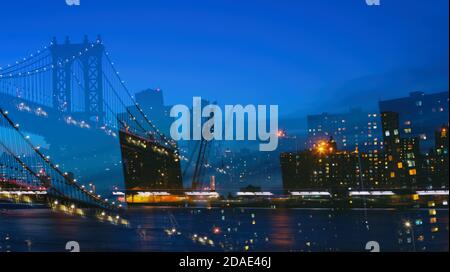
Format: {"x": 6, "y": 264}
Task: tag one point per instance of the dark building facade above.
{"x": 372, "y": 170}
{"x": 435, "y": 163}
{"x": 441, "y": 151}
{"x": 402, "y": 154}
{"x": 320, "y": 168}
{"x": 148, "y": 165}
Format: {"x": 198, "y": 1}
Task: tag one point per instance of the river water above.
{"x": 201, "y": 229}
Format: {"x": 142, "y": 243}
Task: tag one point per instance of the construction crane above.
{"x": 202, "y": 158}
{"x": 197, "y": 178}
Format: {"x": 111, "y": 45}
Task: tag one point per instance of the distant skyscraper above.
{"x": 419, "y": 115}
{"x": 355, "y": 128}
{"x": 392, "y": 144}
{"x": 151, "y": 101}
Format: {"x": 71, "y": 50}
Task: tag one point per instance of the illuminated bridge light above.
{"x": 209, "y": 194}
{"x": 360, "y": 193}
{"x": 310, "y": 194}
{"x": 23, "y": 192}
{"x": 373, "y": 193}
{"x": 433, "y": 192}
{"x": 254, "y": 194}
{"x": 152, "y": 194}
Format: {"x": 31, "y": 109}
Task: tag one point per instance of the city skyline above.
{"x": 307, "y": 126}
{"x": 358, "y": 133}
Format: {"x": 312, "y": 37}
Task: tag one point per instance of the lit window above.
{"x": 412, "y": 172}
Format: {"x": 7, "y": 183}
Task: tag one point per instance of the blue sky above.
{"x": 308, "y": 56}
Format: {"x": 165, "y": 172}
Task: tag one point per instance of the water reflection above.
{"x": 202, "y": 229}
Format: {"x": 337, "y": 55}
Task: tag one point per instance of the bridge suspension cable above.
{"x": 38, "y": 79}
{"x": 49, "y": 174}
{"x": 29, "y": 73}
{"x": 137, "y": 106}
{"x": 7, "y": 68}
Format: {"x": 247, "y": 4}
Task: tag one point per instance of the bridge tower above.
{"x": 91, "y": 60}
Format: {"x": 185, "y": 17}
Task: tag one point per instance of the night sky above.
{"x": 307, "y": 56}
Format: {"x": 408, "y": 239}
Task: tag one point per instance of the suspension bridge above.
{"x": 73, "y": 95}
